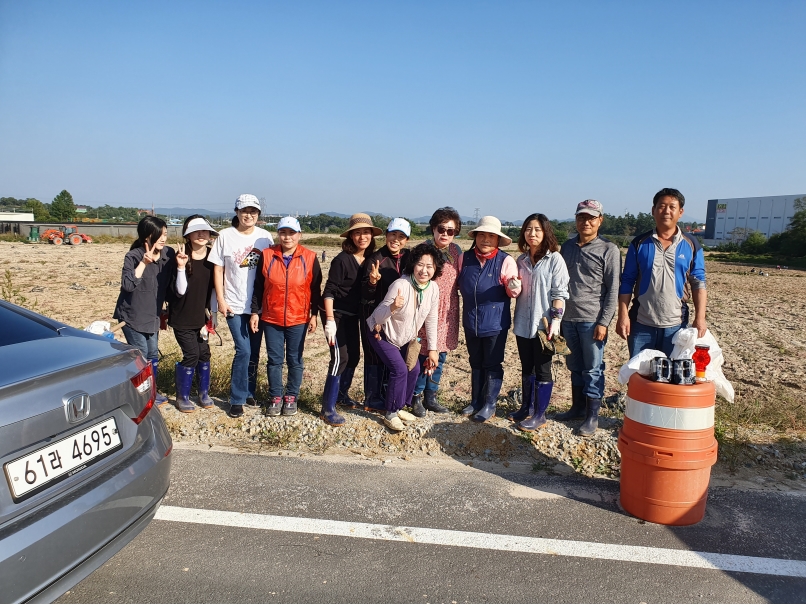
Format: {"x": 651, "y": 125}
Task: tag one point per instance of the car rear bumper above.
{"x": 50, "y": 551}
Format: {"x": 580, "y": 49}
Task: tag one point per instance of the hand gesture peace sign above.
{"x": 181, "y": 257}
{"x": 374, "y": 273}
{"x": 399, "y": 301}
{"x": 151, "y": 255}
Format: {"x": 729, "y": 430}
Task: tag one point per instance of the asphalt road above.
{"x": 176, "y": 561}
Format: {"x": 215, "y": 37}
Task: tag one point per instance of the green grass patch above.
{"x": 757, "y": 259}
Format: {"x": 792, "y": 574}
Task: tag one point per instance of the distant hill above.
{"x": 183, "y": 212}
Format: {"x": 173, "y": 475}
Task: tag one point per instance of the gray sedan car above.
{"x": 85, "y": 455}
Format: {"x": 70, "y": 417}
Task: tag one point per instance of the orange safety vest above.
{"x": 287, "y": 291}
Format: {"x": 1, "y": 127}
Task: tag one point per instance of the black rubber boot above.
{"x": 417, "y": 405}
{"x": 329, "y": 414}
{"x": 345, "y": 382}
{"x": 539, "y": 419}
{"x": 491, "y": 390}
{"x": 432, "y": 405}
{"x": 577, "y": 410}
{"x": 528, "y": 400}
{"x": 588, "y": 428}
{"x": 476, "y": 385}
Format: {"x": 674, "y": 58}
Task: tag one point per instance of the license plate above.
{"x": 58, "y": 461}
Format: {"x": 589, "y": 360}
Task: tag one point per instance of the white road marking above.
{"x": 466, "y": 539}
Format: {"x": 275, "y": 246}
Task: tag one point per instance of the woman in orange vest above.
{"x": 286, "y": 296}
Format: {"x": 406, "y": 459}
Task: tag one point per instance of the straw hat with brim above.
{"x": 361, "y": 221}
{"x": 490, "y": 224}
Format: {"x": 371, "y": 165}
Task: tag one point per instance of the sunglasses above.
{"x": 446, "y": 231}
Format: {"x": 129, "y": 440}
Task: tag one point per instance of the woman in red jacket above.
{"x": 288, "y": 286}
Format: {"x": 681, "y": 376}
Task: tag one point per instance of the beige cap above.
{"x": 361, "y": 221}
{"x": 490, "y": 224}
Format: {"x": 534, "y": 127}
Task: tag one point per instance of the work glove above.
{"x": 330, "y": 332}
{"x": 515, "y": 285}
{"x": 554, "y": 328}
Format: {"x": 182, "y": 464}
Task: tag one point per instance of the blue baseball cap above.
{"x": 399, "y": 224}
{"x": 289, "y": 222}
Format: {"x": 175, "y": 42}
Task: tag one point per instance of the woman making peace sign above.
{"x": 143, "y": 284}
{"x": 193, "y": 286}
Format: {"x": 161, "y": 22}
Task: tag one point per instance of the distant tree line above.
{"x": 63, "y": 209}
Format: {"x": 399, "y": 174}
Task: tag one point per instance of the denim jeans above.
{"x": 243, "y": 380}
{"x": 147, "y": 343}
{"x": 646, "y": 337}
{"x": 286, "y": 342}
{"x": 586, "y": 361}
{"x": 424, "y": 383}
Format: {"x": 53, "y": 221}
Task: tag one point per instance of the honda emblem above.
{"x": 77, "y": 407}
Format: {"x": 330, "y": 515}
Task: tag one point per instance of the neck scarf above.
{"x": 418, "y": 288}
{"x": 483, "y": 257}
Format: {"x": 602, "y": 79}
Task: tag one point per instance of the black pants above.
{"x": 194, "y": 348}
{"x": 347, "y": 351}
{"x": 487, "y": 352}
{"x": 533, "y": 360}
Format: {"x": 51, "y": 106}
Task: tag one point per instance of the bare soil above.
{"x": 758, "y": 321}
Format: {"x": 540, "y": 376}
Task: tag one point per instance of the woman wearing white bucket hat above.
{"x": 187, "y": 311}
{"x": 488, "y": 280}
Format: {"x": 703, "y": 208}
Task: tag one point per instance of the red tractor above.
{"x": 68, "y": 233}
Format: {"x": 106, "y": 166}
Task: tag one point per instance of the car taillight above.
{"x": 143, "y": 381}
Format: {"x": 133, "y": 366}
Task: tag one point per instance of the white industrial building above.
{"x": 734, "y": 219}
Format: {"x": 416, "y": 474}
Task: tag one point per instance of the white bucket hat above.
{"x": 247, "y": 200}
{"x": 490, "y": 224}
{"x": 199, "y": 224}
{"x": 399, "y": 224}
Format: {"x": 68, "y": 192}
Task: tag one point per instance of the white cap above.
{"x": 289, "y": 222}
{"x": 245, "y": 200}
{"x": 199, "y": 224}
{"x": 399, "y": 224}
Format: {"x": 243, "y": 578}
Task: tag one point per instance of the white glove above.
{"x": 330, "y": 332}
{"x": 554, "y": 328}
{"x": 515, "y": 285}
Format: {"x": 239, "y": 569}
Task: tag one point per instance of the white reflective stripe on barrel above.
{"x": 682, "y": 419}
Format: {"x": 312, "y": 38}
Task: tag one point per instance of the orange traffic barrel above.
{"x": 667, "y": 450}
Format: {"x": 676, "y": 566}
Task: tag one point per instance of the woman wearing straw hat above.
{"x": 341, "y": 309}
{"x": 487, "y": 280}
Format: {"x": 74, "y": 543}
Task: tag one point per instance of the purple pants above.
{"x": 401, "y": 380}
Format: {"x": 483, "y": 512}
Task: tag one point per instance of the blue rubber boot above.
{"x": 184, "y": 378}
{"x": 527, "y": 400}
{"x": 591, "y": 423}
{"x": 329, "y": 414}
{"x": 161, "y": 398}
{"x": 491, "y": 390}
{"x": 203, "y": 376}
{"x": 345, "y": 382}
{"x": 539, "y": 419}
{"x": 373, "y": 383}
{"x": 476, "y": 384}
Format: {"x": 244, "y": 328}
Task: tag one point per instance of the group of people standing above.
{"x": 401, "y": 306}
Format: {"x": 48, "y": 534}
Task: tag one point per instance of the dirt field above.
{"x": 758, "y": 320}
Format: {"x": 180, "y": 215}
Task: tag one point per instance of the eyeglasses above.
{"x": 446, "y": 231}
{"x": 585, "y": 218}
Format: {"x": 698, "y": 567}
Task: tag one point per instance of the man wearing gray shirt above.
{"x": 594, "y": 266}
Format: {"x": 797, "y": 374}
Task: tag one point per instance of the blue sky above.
{"x": 401, "y": 107}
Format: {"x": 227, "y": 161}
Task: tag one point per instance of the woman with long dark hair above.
{"x": 144, "y": 282}
{"x": 187, "y": 311}
{"x": 235, "y": 255}
{"x": 341, "y": 312}
{"x": 540, "y": 306}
